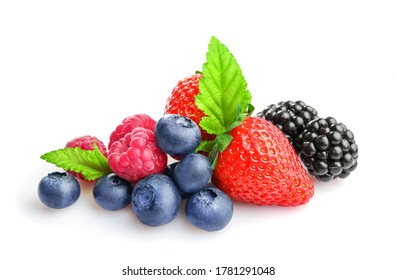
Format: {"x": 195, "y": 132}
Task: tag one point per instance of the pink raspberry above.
{"x": 136, "y": 155}
{"x": 85, "y": 142}
{"x": 129, "y": 123}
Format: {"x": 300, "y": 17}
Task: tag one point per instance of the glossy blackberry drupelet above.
{"x": 329, "y": 150}
{"x": 291, "y": 118}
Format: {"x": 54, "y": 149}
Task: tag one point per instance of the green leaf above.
{"x": 222, "y": 141}
{"x": 214, "y": 158}
{"x": 250, "y": 109}
{"x": 223, "y": 96}
{"x": 92, "y": 164}
{"x": 205, "y": 146}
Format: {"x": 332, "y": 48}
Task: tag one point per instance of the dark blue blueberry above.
{"x": 177, "y": 135}
{"x": 58, "y": 190}
{"x": 209, "y": 209}
{"x": 112, "y": 192}
{"x": 169, "y": 172}
{"x": 155, "y": 200}
{"x": 192, "y": 173}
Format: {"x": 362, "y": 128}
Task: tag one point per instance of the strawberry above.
{"x": 261, "y": 167}
{"x": 253, "y": 161}
{"x": 182, "y": 102}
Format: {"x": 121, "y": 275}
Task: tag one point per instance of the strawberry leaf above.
{"x": 223, "y": 96}
{"x": 92, "y": 164}
{"x": 205, "y": 146}
{"x": 223, "y": 141}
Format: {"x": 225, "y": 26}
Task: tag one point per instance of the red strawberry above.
{"x": 182, "y": 102}
{"x": 261, "y": 167}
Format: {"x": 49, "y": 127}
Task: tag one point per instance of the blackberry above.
{"x": 329, "y": 150}
{"x": 291, "y": 118}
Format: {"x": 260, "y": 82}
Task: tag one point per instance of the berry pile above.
{"x": 140, "y": 176}
{"x": 219, "y": 153}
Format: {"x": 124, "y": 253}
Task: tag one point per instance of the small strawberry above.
{"x": 253, "y": 161}
{"x": 182, "y": 102}
{"x": 261, "y": 167}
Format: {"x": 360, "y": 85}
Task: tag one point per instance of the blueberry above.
{"x": 169, "y": 172}
{"x": 58, "y": 190}
{"x": 209, "y": 209}
{"x": 155, "y": 200}
{"x": 192, "y": 173}
{"x": 177, "y": 135}
{"x": 112, "y": 192}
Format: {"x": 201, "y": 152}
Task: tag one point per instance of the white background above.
{"x": 70, "y": 68}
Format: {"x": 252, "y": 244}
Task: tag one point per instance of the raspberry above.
{"x": 329, "y": 150}
{"x": 136, "y": 155}
{"x": 129, "y": 123}
{"x": 290, "y": 117}
{"x": 85, "y": 142}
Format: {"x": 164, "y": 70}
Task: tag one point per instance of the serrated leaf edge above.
{"x": 90, "y": 168}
